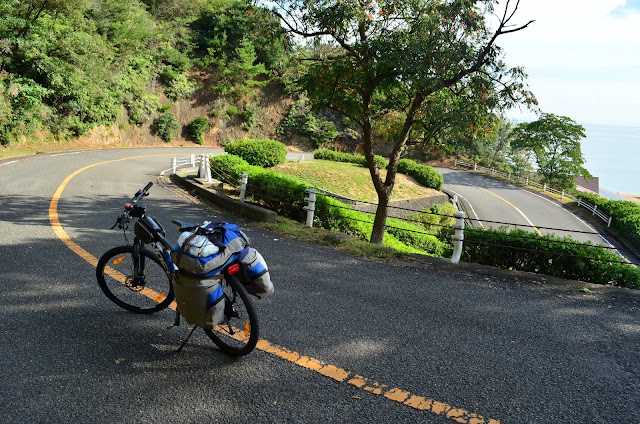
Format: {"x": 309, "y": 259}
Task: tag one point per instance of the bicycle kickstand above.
{"x": 176, "y": 323}
{"x": 184, "y": 342}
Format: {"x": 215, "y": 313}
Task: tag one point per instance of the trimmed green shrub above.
{"x": 524, "y": 251}
{"x": 436, "y": 217}
{"x": 259, "y": 152}
{"x": 196, "y": 129}
{"x": 424, "y": 174}
{"x": 326, "y": 154}
{"x": 415, "y": 236}
{"x": 285, "y": 195}
{"x": 166, "y": 126}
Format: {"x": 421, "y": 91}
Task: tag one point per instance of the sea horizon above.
{"x": 612, "y": 153}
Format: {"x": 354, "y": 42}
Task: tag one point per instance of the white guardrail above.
{"x": 528, "y": 182}
{"x": 201, "y": 161}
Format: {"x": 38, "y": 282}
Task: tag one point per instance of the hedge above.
{"x": 424, "y": 174}
{"x": 258, "y": 152}
{"x": 524, "y": 251}
{"x": 626, "y": 214}
{"x": 285, "y": 195}
{"x": 332, "y": 155}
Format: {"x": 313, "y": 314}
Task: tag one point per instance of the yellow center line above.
{"x": 338, "y": 374}
{"x": 514, "y": 207}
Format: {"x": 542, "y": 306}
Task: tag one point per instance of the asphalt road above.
{"x": 494, "y": 202}
{"x": 405, "y": 342}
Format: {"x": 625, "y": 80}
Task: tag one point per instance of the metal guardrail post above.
{"x": 595, "y": 207}
{"x": 609, "y": 223}
{"x": 192, "y": 160}
{"x": 311, "y": 205}
{"x": 475, "y": 166}
{"x": 458, "y": 236}
{"x": 243, "y": 186}
{"x": 174, "y": 165}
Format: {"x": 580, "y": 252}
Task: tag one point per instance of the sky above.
{"x": 582, "y": 58}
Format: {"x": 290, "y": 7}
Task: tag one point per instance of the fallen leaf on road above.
{"x": 119, "y": 361}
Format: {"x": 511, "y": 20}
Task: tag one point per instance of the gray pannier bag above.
{"x": 200, "y": 262}
{"x": 256, "y": 274}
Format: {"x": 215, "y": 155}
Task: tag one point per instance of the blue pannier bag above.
{"x": 199, "y": 296}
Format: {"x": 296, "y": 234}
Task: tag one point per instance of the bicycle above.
{"x": 141, "y": 280}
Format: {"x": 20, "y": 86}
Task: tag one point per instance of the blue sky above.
{"x": 582, "y": 57}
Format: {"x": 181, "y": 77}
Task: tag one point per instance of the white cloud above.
{"x": 582, "y": 57}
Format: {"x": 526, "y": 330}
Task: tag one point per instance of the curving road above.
{"x": 344, "y": 339}
{"x": 492, "y": 202}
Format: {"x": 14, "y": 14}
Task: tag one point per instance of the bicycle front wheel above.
{"x": 238, "y": 334}
{"x": 137, "y": 283}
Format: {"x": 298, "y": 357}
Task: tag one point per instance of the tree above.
{"x": 394, "y": 56}
{"x": 555, "y": 143}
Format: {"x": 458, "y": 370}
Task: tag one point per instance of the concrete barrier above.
{"x": 254, "y": 212}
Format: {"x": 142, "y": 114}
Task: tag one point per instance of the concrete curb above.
{"x": 253, "y": 212}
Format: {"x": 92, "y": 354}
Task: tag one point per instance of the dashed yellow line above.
{"x": 514, "y": 207}
{"x": 337, "y": 374}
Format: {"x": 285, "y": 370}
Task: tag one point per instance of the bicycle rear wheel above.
{"x": 238, "y": 335}
{"x": 137, "y": 284}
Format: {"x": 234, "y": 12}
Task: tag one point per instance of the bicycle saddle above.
{"x": 184, "y": 226}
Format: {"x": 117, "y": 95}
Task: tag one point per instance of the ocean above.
{"x": 612, "y": 153}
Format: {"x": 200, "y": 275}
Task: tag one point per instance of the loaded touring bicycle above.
{"x": 211, "y": 274}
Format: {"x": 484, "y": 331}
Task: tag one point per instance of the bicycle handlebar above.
{"x": 124, "y": 217}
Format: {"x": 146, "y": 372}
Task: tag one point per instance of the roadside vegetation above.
{"x": 400, "y": 84}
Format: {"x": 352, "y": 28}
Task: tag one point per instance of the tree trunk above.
{"x": 380, "y": 221}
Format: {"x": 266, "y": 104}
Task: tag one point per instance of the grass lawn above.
{"x": 350, "y": 180}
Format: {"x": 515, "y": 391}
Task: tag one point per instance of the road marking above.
{"x": 331, "y": 371}
{"x": 514, "y": 207}
{"x": 471, "y": 206}
{"x": 7, "y": 163}
{"x": 64, "y": 154}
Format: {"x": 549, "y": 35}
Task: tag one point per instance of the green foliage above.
{"x": 302, "y": 120}
{"x": 196, "y": 129}
{"x": 626, "y": 215}
{"x": 259, "y": 152}
{"x": 525, "y": 251}
{"x": 285, "y": 195}
{"x": 424, "y": 174}
{"x": 244, "y": 75}
{"x": 227, "y": 24}
{"x": 179, "y": 86}
{"x": 87, "y": 60}
{"x": 250, "y": 116}
{"x": 415, "y": 236}
{"x": 232, "y": 111}
{"x": 436, "y": 217}
{"x": 327, "y": 154}
{"x": 166, "y": 126}
{"x": 555, "y": 143}
{"x": 21, "y": 107}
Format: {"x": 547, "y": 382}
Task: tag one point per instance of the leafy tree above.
{"x": 244, "y": 75}
{"x": 555, "y": 143}
{"x": 392, "y": 55}
{"x": 227, "y": 25}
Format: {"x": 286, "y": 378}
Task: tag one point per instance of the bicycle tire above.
{"x": 238, "y": 335}
{"x": 149, "y": 293}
